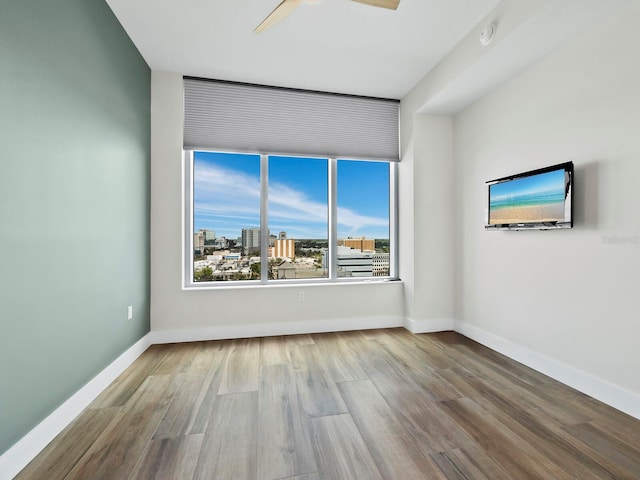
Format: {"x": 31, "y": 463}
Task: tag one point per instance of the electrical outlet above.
{"x": 130, "y": 312}
{"x": 301, "y": 296}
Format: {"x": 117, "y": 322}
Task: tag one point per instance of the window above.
{"x": 226, "y": 217}
{"x": 282, "y": 219}
{"x": 298, "y": 218}
{"x": 363, "y": 219}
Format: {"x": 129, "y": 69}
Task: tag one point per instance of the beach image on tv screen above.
{"x": 538, "y": 198}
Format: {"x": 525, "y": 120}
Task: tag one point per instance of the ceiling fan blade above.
{"x": 281, "y": 11}
{"x": 390, "y": 4}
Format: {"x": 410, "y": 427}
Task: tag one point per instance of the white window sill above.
{"x": 288, "y": 284}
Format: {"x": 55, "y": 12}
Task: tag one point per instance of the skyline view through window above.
{"x": 226, "y": 218}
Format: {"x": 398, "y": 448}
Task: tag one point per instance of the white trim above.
{"x": 613, "y": 395}
{"x": 25, "y": 450}
{"x": 428, "y": 325}
{"x": 273, "y": 329}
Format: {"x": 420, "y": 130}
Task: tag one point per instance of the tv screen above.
{"x": 539, "y": 199}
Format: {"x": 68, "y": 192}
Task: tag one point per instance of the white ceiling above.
{"x": 330, "y": 45}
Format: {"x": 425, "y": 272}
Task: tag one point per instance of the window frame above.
{"x": 332, "y": 209}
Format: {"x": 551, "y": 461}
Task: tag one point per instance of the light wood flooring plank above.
{"x": 169, "y": 459}
{"x": 308, "y": 476}
{"x": 507, "y": 372}
{"x": 590, "y": 408}
{"x": 60, "y": 456}
{"x": 559, "y": 412}
{"x": 340, "y": 450}
{"x": 293, "y": 340}
{"x": 392, "y": 448}
{"x": 416, "y": 408}
{"x": 625, "y": 429}
{"x": 242, "y": 366}
{"x": 377, "y": 334}
{"x": 284, "y": 441}
{"x": 126, "y": 385}
{"x": 178, "y": 358}
{"x": 549, "y": 439}
{"x": 116, "y": 452}
{"x": 622, "y": 458}
{"x": 317, "y": 391}
{"x": 516, "y": 456}
{"x": 438, "y": 355}
{"x": 230, "y": 445}
{"x": 196, "y": 391}
{"x": 342, "y": 363}
{"x": 524, "y": 373}
{"x": 273, "y": 351}
{"x": 415, "y": 363}
{"x": 459, "y": 464}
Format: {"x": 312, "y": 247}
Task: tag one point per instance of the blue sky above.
{"x": 227, "y": 196}
{"x": 544, "y": 183}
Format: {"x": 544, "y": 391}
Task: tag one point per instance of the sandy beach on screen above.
{"x": 541, "y": 213}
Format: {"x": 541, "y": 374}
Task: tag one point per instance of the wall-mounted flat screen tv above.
{"x": 540, "y": 199}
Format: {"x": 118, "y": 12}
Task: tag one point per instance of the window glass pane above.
{"x": 363, "y": 219}
{"x": 298, "y": 218}
{"x": 226, "y": 217}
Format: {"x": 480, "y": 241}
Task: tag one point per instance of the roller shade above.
{"x": 239, "y": 117}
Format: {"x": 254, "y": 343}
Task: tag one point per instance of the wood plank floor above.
{"x": 379, "y": 404}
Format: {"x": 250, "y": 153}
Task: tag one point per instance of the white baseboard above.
{"x": 25, "y": 450}
{"x": 613, "y": 395}
{"x": 223, "y": 332}
{"x": 429, "y": 325}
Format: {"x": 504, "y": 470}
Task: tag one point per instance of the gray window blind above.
{"x": 239, "y": 117}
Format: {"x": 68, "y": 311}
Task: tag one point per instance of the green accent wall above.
{"x": 74, "y": 202}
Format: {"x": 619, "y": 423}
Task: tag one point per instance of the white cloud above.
{"x": 224, "y": 195}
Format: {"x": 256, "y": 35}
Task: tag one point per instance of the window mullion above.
{"x": 187, "y": 208}
{"x": 264, "y": 219}
{"x": 333, "y": 218}
{"x": 393, "y": 220}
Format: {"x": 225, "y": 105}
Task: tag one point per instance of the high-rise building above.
{"x": 250, "y": 241}
{"x": 221, "y": 243}
{"x": 381, "y": 264}
{"x": 363, "y": 244}
{"x": 283, "y": 249}
{"x": 198, "y": 241}
{"x": 208, "y": 234}
{"x": 282, "y": 236}
{"x": 351, "y": 262}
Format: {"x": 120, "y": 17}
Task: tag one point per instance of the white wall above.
{"x": 427, "y": 224}
{"x": 568, "y": 296}
{"x": 178, "y": 314}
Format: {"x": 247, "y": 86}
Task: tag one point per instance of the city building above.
{"x": 286, "y": 271}
{"x": 351, "y": 262}
{"x": 355, "y": 265}
{"x": 363, "y": 244}
{"x": 381, "y": 264}
{"x": 250, "y": 241}
{"x": 221, "y": 243}
{"x": 198, "y": 241}
{"x": 209, "y": 235}
{"x": 283, "y": 249}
